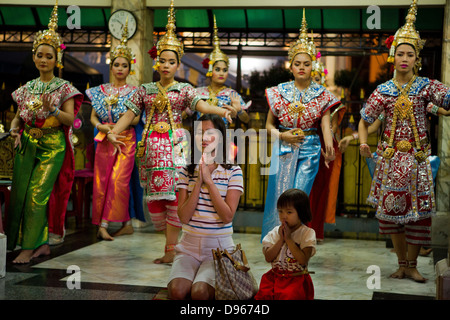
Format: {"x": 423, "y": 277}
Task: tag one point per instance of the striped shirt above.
{"x": 205, "y": 220}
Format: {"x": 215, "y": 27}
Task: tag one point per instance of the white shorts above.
{"x": 194, "y": 261}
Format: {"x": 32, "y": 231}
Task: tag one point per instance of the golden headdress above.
{"x": 122, "y": 50}
{"x": 169, "y": 41}
{"x": 216, "y": 54}
{"x": 303, "y": 44}
{"x": 51, "y": 37}
{"x": 407, "y": 34}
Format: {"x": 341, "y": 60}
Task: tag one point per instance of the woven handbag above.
{"x": 234, "y": 281}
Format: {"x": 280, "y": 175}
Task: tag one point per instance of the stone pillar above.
{"x": 141, "y": 42}
{"x": 441, "y": 223}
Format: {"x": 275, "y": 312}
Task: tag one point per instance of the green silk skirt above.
{"x": 36, "y": 167}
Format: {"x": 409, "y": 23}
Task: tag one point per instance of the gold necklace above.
{"x": 35, "y": 103}
{"x": 213, "y": 100}
{"x": 112, "y": 99}
{"x": 403, "y": 109}
{"x": 296, "y": 108}
{"x": 403, "y": 104}
{"x": 161, "y": 100}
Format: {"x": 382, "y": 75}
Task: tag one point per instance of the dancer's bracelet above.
{"x": 363, "y": 145}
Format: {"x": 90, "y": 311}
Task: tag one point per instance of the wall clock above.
{"x": 117, "y": 20}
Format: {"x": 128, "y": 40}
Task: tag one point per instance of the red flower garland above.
{"x": 205, "y": 63}
{"x": 389, "y": 42}
{"x": 153, "y": 52}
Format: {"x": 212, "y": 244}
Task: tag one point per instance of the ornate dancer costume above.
{"x": 402, "y": 189}
{"x": 293, "y": 167}
{"x": 44, "y": 164}
{"x": 163, "y": 139}
{"x": 160, "y": 151}
{"x": 219, "y": 98}
{"x": 112, "y": 173}
{"x": 222, "y": 96}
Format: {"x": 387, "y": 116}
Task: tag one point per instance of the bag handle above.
{"x": 218, "y": 254}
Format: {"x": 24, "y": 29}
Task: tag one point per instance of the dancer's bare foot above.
{"x": 167, "y": 258}
{"x": 169, "y": 254}
{"x": 399, "y": 274}
{"x": 103, "y": 234}
{"x": 413, "y": 273}
{"x": 127, "y": 229}
{"x": 24, "y": 256}
{"x": 424, "y": 252}
{"x": 43, "y": 250}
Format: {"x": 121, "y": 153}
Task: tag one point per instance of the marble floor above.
{"x": 345, "y": 269}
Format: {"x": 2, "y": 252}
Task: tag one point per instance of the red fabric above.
{"x": 276, "y": 287}
{"x": 324, "y": 192}
{"x": 323, "y": 196}
{"x": 57, "y": 204}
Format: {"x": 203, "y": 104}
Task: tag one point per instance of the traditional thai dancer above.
{"x": 402, "y": 189}
{"x": 112, "y": 171}
{"x": 44, "y": 162}
{"x": 161, "y": 148}
{"x": 323, "y": 196}
{"x": 300, "y": 107}
{"x": 216, "y": 93}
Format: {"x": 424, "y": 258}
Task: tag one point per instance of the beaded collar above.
{"x": 290, "y": 92}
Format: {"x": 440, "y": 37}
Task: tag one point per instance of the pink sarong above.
{"x": 112, "y": 174}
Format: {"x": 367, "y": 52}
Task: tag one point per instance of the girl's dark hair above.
{"x": 219, "y": 125}
{"x": 299, "y": 200}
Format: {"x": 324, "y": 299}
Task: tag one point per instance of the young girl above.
{"x": 289, "y": 247}
{"x": 209, "y": 194}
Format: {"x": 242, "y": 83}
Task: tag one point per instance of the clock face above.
{"x": 117, "y": 21}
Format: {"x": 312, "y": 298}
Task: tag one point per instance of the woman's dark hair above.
{"x": 299, "y": 200}
{"x": 218, "y": 124}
